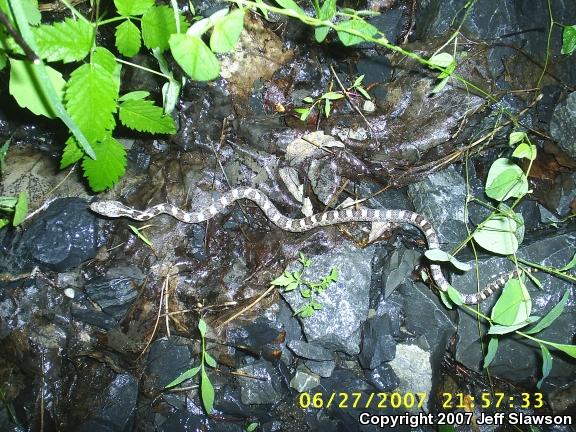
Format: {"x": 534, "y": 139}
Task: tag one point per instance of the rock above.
{"x": 304, "y": 380}
{"x": 310, "y": 351}
{"x": 266, "y": 389}
{"x": 562, "y": 126}
{"x": 378, "y": 345}
{"x": 413, "y": 368}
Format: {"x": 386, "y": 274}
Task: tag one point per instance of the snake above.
{"x": 115, "y": 209}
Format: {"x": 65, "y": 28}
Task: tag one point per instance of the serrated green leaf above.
{"x": 133, "y": 7}
{"x": 190, "y": 373}
{"x": 26, "y": 89}
{"x": 226, "y": 31}
{"x": 194, "y": 57}
{"x": 505, "y": 180}
{"x": 138, "y": 94}
{"x": 128, "y": 39}
{"x": 551, "y": 316}
{"x": 202, "y": 327}
{"x": 207, "y": 391}
{"x": 104, "y": 171}
{"x": 498, "y": 235}
{"x": 69, "y": 40}
{"x": 491, "y": 352}
{"x": 157, "y": 26}
{"x": 72, "y": 153}
{"x": 20, "y": 209}
{"x": 357, "y": 26}
{"x": 546, "y": 364}
{"x": 91, "y": 96}
{"x": 210, "y": 360}
{"x": 144, "y": 116}
{"x": 102, "y": 57}
{"x": 569, "y": 40}
{"x": 514, "y": 305}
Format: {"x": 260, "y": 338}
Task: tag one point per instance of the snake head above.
{"x": 110, "y": 208}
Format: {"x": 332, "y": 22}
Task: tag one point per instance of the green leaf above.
{"x": 549, "y": 318}
{"x": 190, "y": 373}
{"x": 138, "y": 94}
{"x": 21, "y": 208}
{"x": 332, "y": 96}
{"x": 546, "y": 364}
{"x": 525, "y": 151}
{"x": 327, "y": 107}
{"x": 442, "y": 60}
{"x": 514, "y": 305}
{"x": 454, "y": 296}
{"x": 497, "y": 329}
{"x": 133, "y": 7}
{"x": 209, "y": 360}
{"x": 568, "y": 349}
{"x": 491, "y": 352}
{"x": 194, "y": 57}
{"x": 357, "y": 26}
{"x": 569, "y": 40}
{"x": 363, "y": 92}
{"x": 291, "y": 5}
{"x": 438, "y": 87}
{"x": 29, "y": 7}
{"x": 202, "y": 327}
{"x": 207, "y": 391}
{"x": 26, "y": 89}
{"x": 441, "y": 256}
{"x": 104, "y": 171}
{"x": 284, "y": 279}
{"x": 3, "y": 222}
{"x": 226, "y": 31}
{"x": 304, "y": 113}
{"x": 3, "y": 153}
{"x": 327, "y": 12}
{"x": 144, "y": 116}
{"x": 505, "y": 180}
{"x": 139, "y": 234}
{"x": 91, "y": 96}
{"x": 291, "y": 286}
{"x": 158, "y": 24}
{"x": 498, "y": 235}
{"x": 251, "y": 427}
{"x": 104, "y": 58}
{"x": 69, "y": 40}
{"x": 570, "y": 265}
{"x": 128, "y": 39}
{"x": 72, "y": 153}
{"x": 516, "y": 137}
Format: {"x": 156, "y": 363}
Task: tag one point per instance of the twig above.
{"x": 247, "y": 308}
{"x": 29, "y": 52}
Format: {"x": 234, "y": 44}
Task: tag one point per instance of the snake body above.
{"x": 115, "y": 209}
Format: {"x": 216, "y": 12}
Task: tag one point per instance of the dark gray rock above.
{"x": 441, "y": 197}
{"x": 562, "y": 125}
{"x": 345, "y": 303}
{"x": 167, "y": 360}
{"x": 266, "y": 389}
{"x": 383, "y": 378}
{"x": 310, "y": 351}
{"x": 118, "y": 407}
{"x": 321, "y": 368}
{"x": 378, "y": 345}
{"x": 115, "y": 292}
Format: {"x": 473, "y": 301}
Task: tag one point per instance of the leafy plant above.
{"x": 327, "y": 98}
{"x": 89, "y": 100}
{"x": 206, "y": 360}
{"x": 569, "y": 40}
{"x": 308, "y": 289}
{"x": 17, "y": 207}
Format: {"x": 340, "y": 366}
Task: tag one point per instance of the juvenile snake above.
{"x": 115, "y": 209}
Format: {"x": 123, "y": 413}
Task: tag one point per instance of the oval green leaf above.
{"x": 194, "y": 57}
{"x": 506, "y": 180}
{"x": 514, "y": 305}
{"x": 498, "y": 235}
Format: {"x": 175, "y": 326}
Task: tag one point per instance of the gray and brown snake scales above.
{"x": 115, "y": 209}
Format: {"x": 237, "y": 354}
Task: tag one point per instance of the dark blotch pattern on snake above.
{"x": 115, "y": 209}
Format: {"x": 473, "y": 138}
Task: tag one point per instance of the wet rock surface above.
{"x": 94, "y": 323}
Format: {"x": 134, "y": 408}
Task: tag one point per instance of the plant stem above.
{"x": 142, "y": 67}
